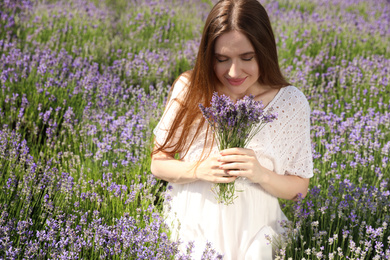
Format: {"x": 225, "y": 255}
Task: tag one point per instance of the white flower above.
{"x": 340, "y": 251}
{"x": 319, "y": 255}
{"x": 314, "y": 224}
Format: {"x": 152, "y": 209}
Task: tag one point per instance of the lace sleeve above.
{"x": 172, "y": 107}
{"x": 299, "y": 160}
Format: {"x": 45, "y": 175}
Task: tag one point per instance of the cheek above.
{"x": 253, "y": 69}
{"x": 219, "y": 70}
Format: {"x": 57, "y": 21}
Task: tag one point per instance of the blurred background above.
{"x": 84, "y": 82}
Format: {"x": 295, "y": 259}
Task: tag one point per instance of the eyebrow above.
{"x": 242, "y": 54}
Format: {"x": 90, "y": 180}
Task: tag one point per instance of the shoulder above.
{"x": 293, "y": 96}
{"x": 180, "y": 85}
{"x": 293, "y": 93}
{"x": 183, "y": 80}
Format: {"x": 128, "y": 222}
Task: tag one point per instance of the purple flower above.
{"x": 234, "y": 125}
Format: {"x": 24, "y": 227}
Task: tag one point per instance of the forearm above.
{"x": 284, "y": 186}
{"x": 243, "y": 162}
{"x": 167, "y": 168}
{"x": 173, "y": 170}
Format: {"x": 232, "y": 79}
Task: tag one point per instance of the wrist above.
{"x": 265, "y": 176}
{"x": 194, "y": 171}
{"x": 195, "y": 176}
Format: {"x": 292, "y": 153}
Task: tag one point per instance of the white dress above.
{"x": 241, "y": 230}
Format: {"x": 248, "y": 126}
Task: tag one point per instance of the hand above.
{"x": 210, "y": 170}
{"x": 242, "y": 162}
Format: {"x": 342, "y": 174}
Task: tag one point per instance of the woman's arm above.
{"x": 243, "y": 162}
{"x": 284, "y": 186}
{"x": 167, "y": 168}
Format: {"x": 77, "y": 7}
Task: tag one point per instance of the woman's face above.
{"x": 236, "y": 66}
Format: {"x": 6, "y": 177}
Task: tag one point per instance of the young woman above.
{"x": 237, "y": 57}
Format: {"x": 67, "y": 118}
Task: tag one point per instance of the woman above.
{"x": 237, "y": 57}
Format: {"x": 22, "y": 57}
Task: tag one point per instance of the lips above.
{"x": 236, "y": 82}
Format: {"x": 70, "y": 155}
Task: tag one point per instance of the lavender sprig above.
{"x": 234, "y": 125}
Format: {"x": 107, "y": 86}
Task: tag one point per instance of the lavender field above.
{"x": 84, "y": 82}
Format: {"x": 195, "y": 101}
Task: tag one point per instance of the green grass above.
{"x": 131, "y": 29}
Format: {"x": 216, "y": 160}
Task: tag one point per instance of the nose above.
{"x": 234, "y": 70}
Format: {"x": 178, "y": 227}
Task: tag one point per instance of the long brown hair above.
{"x": 246, "y": 16}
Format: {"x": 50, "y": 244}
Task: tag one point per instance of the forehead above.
{"x": 233, "y": 43}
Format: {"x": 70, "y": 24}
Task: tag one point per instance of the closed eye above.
{"x": 221, "y": 60}
{"x": 248, "y": 59}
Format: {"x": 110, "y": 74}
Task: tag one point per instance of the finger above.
{"x": 233, "y": 166}
{"x": 232, "y": 158}
{"x": 235, "y": 150}
{"x": 225, "y": 179}
{"x": 221, "y": 173}
{"x": 236, "y": 172}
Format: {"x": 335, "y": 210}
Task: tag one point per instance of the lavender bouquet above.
{"x": 234, "y": 125}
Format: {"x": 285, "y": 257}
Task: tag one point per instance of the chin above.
{"x": 237, "y": 94}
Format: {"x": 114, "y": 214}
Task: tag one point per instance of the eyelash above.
{"x": 220, "y": 60}
{"x": 249, "y": 59}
